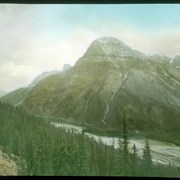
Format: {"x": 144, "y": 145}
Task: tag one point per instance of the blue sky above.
{"x": 38, "y": 38}
{"x": 146, "y": 17}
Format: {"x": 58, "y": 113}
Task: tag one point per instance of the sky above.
{"x": 39, "y": 38}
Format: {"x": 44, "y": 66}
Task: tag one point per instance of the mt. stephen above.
{"x": 111, "y": 79}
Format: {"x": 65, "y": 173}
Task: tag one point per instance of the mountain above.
{"x": 111, "y": 79}
{"x": 66, "y": 67}
{"x": 17, "y": 97}
{"x": 2, "y": 93}
{"x": 176, "y": 62}
{"x": 42, "y": 76}
{"x": 111, "y": 47}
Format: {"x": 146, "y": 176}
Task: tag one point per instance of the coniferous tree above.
{"x": 147, "y": 158}
{"x": 54, "y": 151}
{"x": 125, "y": 145}
{"x": 111, "y": 169}
{"x": 120, "y": 164}
{"x": 92, "y": 157}
{"x": 134, "y": 160}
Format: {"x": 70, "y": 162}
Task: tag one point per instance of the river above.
{"x": 162, "y": 152}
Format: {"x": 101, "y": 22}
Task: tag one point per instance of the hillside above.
{"x": 108, "y": 80}
{"x": 18, "y": 96}
{"x": 31, "y": 146}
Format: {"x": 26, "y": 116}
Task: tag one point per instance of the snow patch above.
{"x": 171, "y": 60}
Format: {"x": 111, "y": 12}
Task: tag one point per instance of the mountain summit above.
{"x": 110, "y": 46}
{"x": 108, "y": 80}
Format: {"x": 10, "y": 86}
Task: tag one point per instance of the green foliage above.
{"x": 125, "y": 146}
{"x": 16, "y": 97}
{"x": 147, "y": 158}
{"x": 54, "y": 151}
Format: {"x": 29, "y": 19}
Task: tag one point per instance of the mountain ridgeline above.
{"x": 108, "y": 80}
{"x": 18, "y": 96}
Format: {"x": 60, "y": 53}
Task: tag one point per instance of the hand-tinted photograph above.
{"x": 90, "y": 90}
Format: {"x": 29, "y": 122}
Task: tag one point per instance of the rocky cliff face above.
{"x": 108, "y": 80}
{"x": 7, "y": 166}
{"x": 11, "y": 165}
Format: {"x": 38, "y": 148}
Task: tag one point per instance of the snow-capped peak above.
{"x": 105, "y": 40}
{"x": 110, "y": 46}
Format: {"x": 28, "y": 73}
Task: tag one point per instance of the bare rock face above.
{"x": 21, "y": 164}
{"x": 12, "y": 165}
{"x": 7, "y": 166}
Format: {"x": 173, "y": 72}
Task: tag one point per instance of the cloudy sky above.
{"x": 38, "y": 38}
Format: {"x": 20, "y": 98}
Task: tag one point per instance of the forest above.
{"x": 51, "y": 151}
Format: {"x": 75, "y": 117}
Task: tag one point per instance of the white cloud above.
{"x": 46, "y": 54}
{"x": 26, "y": 52}
{"x": 14, "y": 76}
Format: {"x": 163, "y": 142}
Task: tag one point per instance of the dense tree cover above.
{"x": 54, "y": 151}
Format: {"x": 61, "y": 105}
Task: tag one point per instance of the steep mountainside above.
{"x": 176, "y": 62}
{"x": 17, "y": 97}
{"x": 108, "y": 80}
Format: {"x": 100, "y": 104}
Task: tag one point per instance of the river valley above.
{"x": 162, "y": 152}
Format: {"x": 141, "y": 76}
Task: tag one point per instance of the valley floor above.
{"x": 162, "y": 152}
